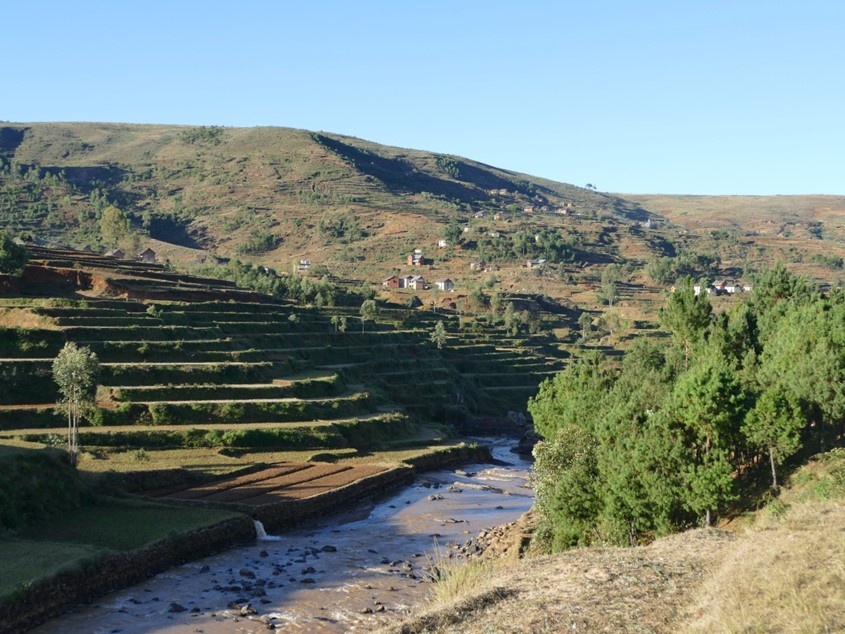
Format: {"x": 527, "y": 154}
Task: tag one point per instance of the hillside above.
{"x": 355, "y": 210}
{"x": 781, "y": 569}
{"x": 190, "y": 362}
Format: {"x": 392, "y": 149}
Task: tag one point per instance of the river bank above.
{"x": 351, "y": 572}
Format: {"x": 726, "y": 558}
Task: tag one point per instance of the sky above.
{"x": 672, "y": 97}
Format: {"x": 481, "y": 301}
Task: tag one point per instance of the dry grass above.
{"x": 585, "y": 590}
{"x": 26, "y": 320}
{"x": 787, "y": 576}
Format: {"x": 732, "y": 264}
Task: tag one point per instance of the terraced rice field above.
{"x": 229, "y": 372}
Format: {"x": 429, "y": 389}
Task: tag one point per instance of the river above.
{"x": 350, "y": 572}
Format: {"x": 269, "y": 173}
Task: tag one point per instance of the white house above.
{"x": 445, "y": 285}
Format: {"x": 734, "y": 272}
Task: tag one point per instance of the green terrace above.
{"x": 180, "y": 373}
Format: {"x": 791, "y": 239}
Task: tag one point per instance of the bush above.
{"x": 37, "y": 485}
{"x": 13, "y": 256}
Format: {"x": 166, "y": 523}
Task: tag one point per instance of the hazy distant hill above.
{"x": 277, "y": 195}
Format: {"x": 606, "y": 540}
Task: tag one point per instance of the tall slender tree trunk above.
{"x": 774, "y": 471}
{"x": 707, "y": 519}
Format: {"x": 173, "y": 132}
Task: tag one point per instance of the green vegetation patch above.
{"x": 123, "y": 525}
{"x": 36, "y": 485}
{"x": 27, "y": 561}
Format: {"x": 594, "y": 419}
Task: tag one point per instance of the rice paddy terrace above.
{"x": 190, "y": 362}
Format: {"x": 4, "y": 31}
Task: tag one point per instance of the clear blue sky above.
{"x": 718, "y": 97}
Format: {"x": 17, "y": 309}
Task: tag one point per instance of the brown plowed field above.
{"x": 284, "y": 481}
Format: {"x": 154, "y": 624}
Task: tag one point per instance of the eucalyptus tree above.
{"x": 75, "y": 372}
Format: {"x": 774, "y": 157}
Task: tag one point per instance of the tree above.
{"x": 342, "y": 324}
{"x": 585, "y": 322}
{"x": 511, "y": 320}
{"x": 369, "y": 310}
{"x": 707, "y": 406}
{"x": 687, "y": 315}
{"x": 453, "y": 233}
{"x": 13, "y": 256}
{"x": 114, "y": 226}
{"x": 774, "y": 425}
{"x": 75, "y": 371}
{"x": 438, "y": 334}
{"x": 611, "y": 275}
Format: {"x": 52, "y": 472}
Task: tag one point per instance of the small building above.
{"x": 116, "y": 253}
{"x": 477, "y": 265}
{"x": 417, "y": 282}
{"x": 445, "y": 285}
{"x": 416, "y": 259}
{"x": 147, "y": 255}
{"x": 87, "y": 249}
{"x": 441, "y": 244}
{"x": 535, "y": 264}
{"x": 391, "y": 282}
{"x": 493, "y": 234}
{"x": 528, "y": 209}
{"x": 303, "y": 266}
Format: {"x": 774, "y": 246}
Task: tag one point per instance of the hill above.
{"x": 355, "y": 210}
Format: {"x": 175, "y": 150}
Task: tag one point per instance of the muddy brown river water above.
{"x": 346, "y": 573}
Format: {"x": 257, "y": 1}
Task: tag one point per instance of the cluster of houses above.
{"x": 416, "y": 282}
{"x": 147, "y": 255}
{"x": 722, "y": 287}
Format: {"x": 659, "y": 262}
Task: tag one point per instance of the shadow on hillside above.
{"x": 396, "y": 174}
{"x": 10, "y": 139}
{"x": 86, "y": 178}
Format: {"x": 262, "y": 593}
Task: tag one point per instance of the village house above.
{"x": 417, "y": 282}
{"x": 416, "y": 259}
{"x": 493, "y": 234}
{"x": 445, "y": 285}
{"x": 116, "y": 253}
{"x": 87, "y": 249}
{"x": 441, "y": 244}
{"x": 391, "y": 282}
{"x": 147, "y": 255}
{"x": 477, "y": 265}
{"x": 535, "y": 264}
{"x": 303, "y": 266}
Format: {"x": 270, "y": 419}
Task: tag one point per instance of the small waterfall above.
{"x": 261, "y": 534}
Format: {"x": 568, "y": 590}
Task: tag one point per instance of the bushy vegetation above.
{"x": 321, "y": 292}
{"x": 13, "y": 257}
{"x": 663, "y": 441}
{"x": 36, "y": 485}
